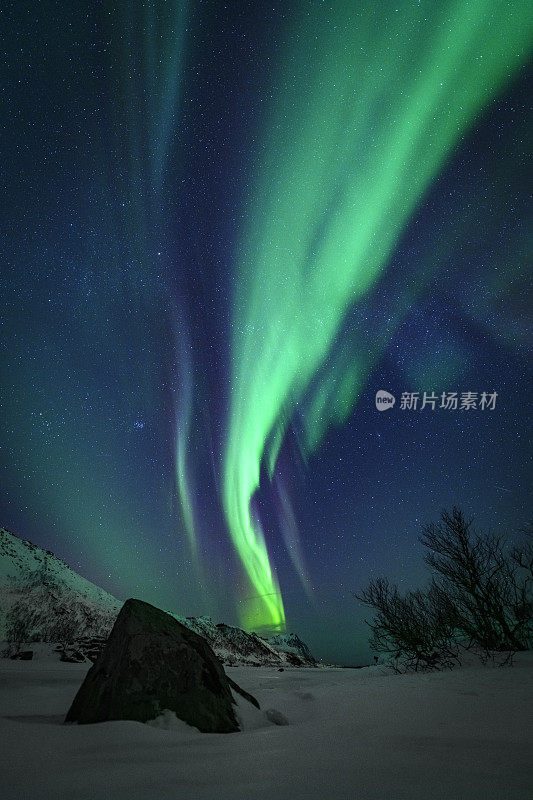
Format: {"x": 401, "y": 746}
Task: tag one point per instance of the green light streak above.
{"x": 184, "y": 493}
{"x": 372, "y": 101}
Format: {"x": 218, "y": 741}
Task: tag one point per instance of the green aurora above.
{"x": 368, "y": 103}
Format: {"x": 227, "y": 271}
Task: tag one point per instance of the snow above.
{"x": 365, "y": 734}
{"x": 21, "y": 560}
{"x": 19, "y": 557}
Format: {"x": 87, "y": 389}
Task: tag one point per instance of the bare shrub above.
{"x": 479, "y": 599}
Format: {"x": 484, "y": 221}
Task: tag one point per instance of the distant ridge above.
{"x": 235, "y": 647}
{"x": 50, "y": 591}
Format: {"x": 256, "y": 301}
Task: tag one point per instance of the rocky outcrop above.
{"x": 71, "y": 655}
{"x": 90, "y": 646}
{"x": 22, "y": 655}
{"x": 234, "y": 647}
{"x": 152, "y": 663}
{"x": 292, "y": 645}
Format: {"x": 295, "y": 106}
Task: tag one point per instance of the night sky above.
{"x": 225, "y": 226}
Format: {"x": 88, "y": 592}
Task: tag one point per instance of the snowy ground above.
{"x": 353, "y": 735}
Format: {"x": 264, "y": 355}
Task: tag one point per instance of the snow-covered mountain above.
{"x": 51, "y": 602}
{"x": 236, "y": 647}
{"x": 50, "y": 598}
{"x": 291, "y": 644}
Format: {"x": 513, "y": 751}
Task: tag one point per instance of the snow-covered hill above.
{"x": 48, "y": 594}
{"x": 236, "y": 647}
{"x": 291, "y": 644}
{"x": 59, "y": 605}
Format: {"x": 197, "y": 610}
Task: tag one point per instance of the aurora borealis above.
{"x": 341, "y": 175}
{"x": 228, "y": 226}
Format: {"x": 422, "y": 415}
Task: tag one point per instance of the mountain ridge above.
{"x": 53, "y": 602}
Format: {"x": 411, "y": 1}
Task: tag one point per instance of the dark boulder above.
{"x": 72, "y": 656}
{"x": 151, "y": 663}
{"x": 275, "y": 716}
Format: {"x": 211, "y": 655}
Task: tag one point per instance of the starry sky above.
{"x": 225, "y": 226}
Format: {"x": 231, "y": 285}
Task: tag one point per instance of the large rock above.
{"x": 152, "y": 662}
